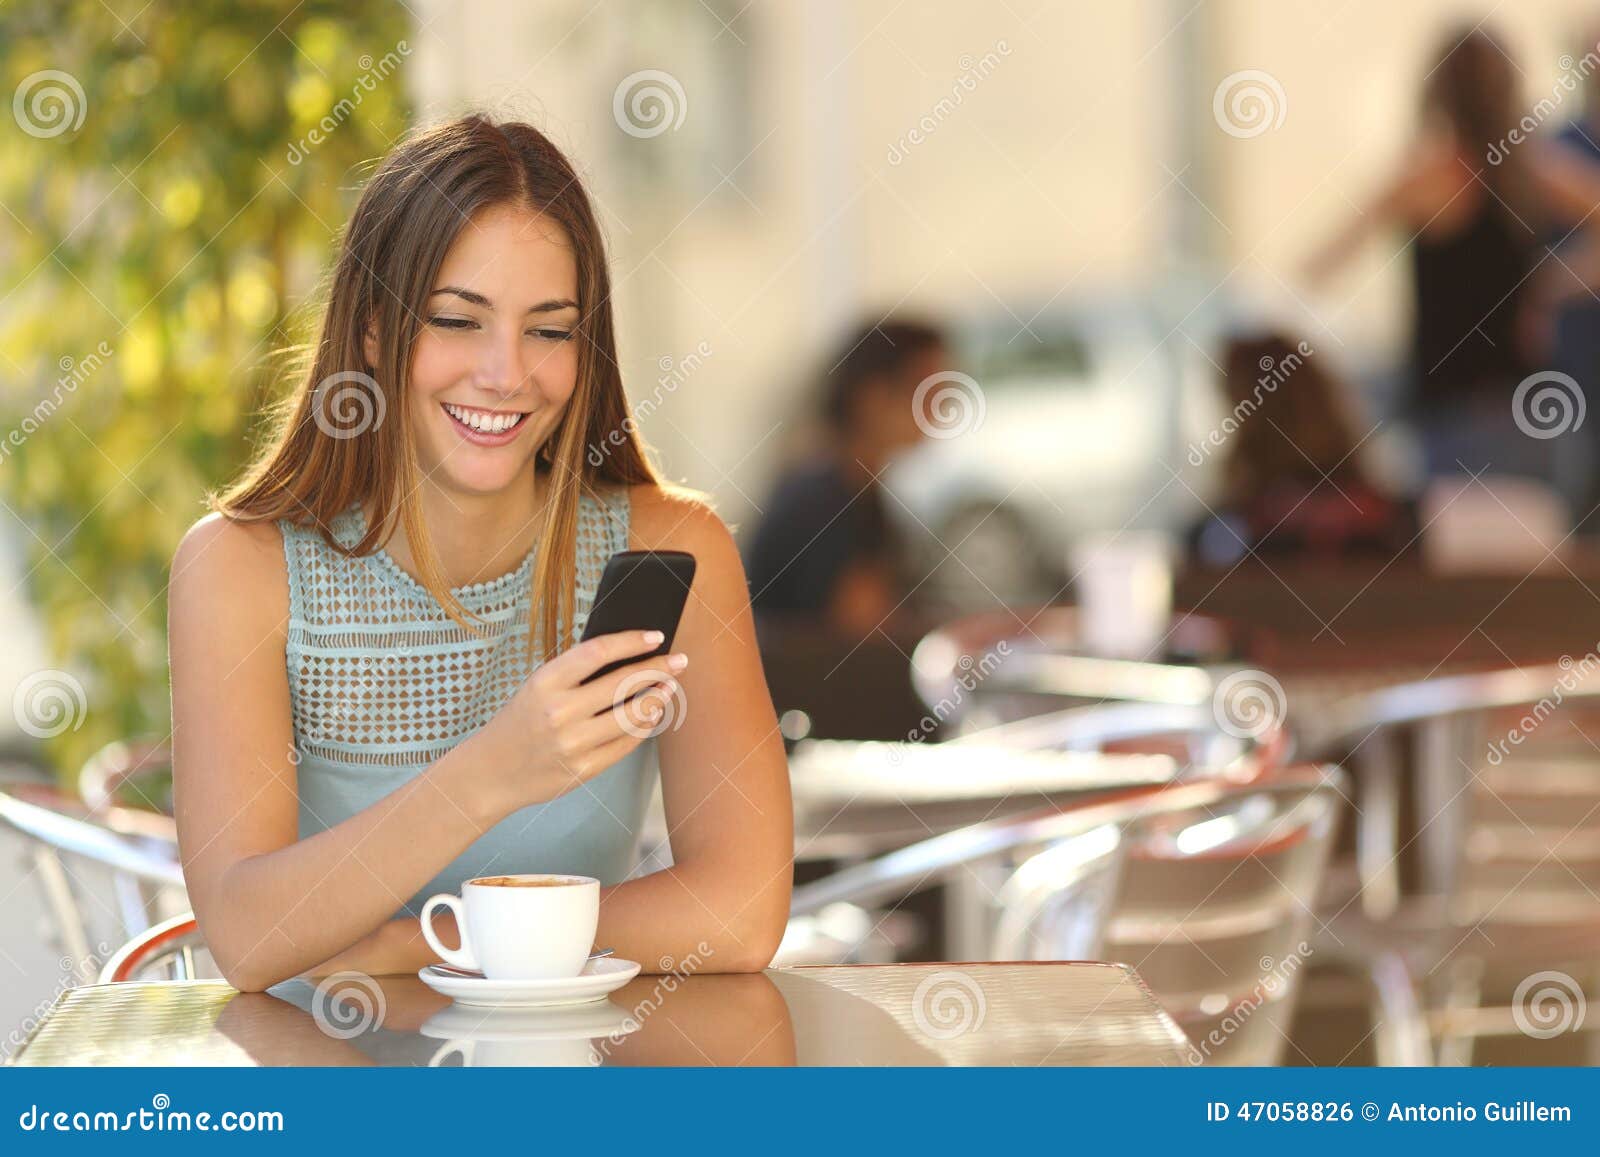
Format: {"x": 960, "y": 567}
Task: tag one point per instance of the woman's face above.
{"x": 496, "y": 359}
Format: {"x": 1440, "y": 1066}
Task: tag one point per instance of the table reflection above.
{"x": 652, "y": 1020}
{"x": 909, "y": 1014}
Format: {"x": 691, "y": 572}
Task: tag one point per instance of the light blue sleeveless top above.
{"x": 382, "y": 683}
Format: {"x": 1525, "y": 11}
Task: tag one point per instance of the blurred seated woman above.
{"x": 1294, "y": 486}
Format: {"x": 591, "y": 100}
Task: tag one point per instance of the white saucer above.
{"x": 598, "y": 977}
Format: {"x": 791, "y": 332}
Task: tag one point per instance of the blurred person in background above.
{"x": 826, "y": 552}
{"x": 1294, "y": 483}
{"x": 1477, "y": 209}
{"x": 1561, "y": 322}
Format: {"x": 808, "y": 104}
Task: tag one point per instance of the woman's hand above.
{"x": 556, "y": 732}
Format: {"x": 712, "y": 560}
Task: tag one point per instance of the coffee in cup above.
{"x": 520, "y": 927}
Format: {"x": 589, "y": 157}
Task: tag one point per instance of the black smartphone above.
{"x": 641, "y": 590}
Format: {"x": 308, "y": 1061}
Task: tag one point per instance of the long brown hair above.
{"x": 1293, "y": 425}
{"x": 318, "y": 463}
{"x": 1472, "y": 91}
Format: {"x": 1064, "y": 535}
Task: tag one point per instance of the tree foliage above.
{"x": 173, "y": 176}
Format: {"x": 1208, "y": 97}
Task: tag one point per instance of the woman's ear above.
{"x": 369, "y": 343}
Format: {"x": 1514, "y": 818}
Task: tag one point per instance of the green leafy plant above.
{"x": 173, "y": 176}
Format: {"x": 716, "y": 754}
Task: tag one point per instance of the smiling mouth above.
{"x": 485, "y": 423}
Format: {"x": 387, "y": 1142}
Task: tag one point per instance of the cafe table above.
{"x": 1059, "y": 1014}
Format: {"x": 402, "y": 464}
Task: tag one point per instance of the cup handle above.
{"x": 462, "y": 957}
{"x": 464, "y": 1047}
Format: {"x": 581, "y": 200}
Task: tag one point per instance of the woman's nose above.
{"x": 500, "y": 366}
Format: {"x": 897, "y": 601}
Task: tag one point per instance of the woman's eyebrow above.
{"x": 478, "y": 299}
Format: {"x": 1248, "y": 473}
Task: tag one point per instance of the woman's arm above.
{"x": 1399, "y": 202}
{"x": 1568, "y": 183}
{"x": 272, "y": 905}
{"x": 724, "y": 777}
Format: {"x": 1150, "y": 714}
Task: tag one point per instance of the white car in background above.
{"x": 1087, "y": 422}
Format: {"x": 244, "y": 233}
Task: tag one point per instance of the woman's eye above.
{"x": 552, "y": 334}
{"x": 451, "y": 322}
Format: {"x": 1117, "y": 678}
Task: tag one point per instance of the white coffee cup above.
{"x": 523, "y": 927}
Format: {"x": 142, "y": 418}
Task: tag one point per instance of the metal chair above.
{"x": 1506, "y": 785}
{"x": 1001, "y": 666}
{"x": 860, "y": 794}
{"x": 173, "y": 948}
{"x": 69, "y": 846}
{"x": 1190, "y": 732}
{"x": 142, "y": 767}
{"x": 1206, "y": 888}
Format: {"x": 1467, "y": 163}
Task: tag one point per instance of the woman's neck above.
{"x": 476, "y": 537}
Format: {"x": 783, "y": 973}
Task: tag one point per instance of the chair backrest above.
{"x": 999, "y": 666}
{"x": 79, "y": 857}
{"x": 170, "y": 950}
{"x": 1214, "y": 909}
{"x": 1492, "y": 759}
{"x": 1021, "y": 678}
{"x": 1189, "y": 732}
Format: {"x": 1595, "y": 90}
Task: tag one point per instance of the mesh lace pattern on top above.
{"x": 380, "y": 676}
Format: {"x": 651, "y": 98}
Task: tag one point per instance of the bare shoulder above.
{"x": 225, "y": 561}
{"x": 670, "y": 517}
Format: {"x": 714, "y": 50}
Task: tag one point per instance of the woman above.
{"x": 1295, "y": 484}
{"x": 1476, "y": 201}
{"x": 375, "y": 667}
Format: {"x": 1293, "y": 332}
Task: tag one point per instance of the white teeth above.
{"x": 482, "y": 421}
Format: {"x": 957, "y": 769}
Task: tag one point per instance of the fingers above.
{"x": 572, "y": 667}
{"x": 627, "y": 682}
{"x": 603, "y": 742}
{"x": 582, "y": 739}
